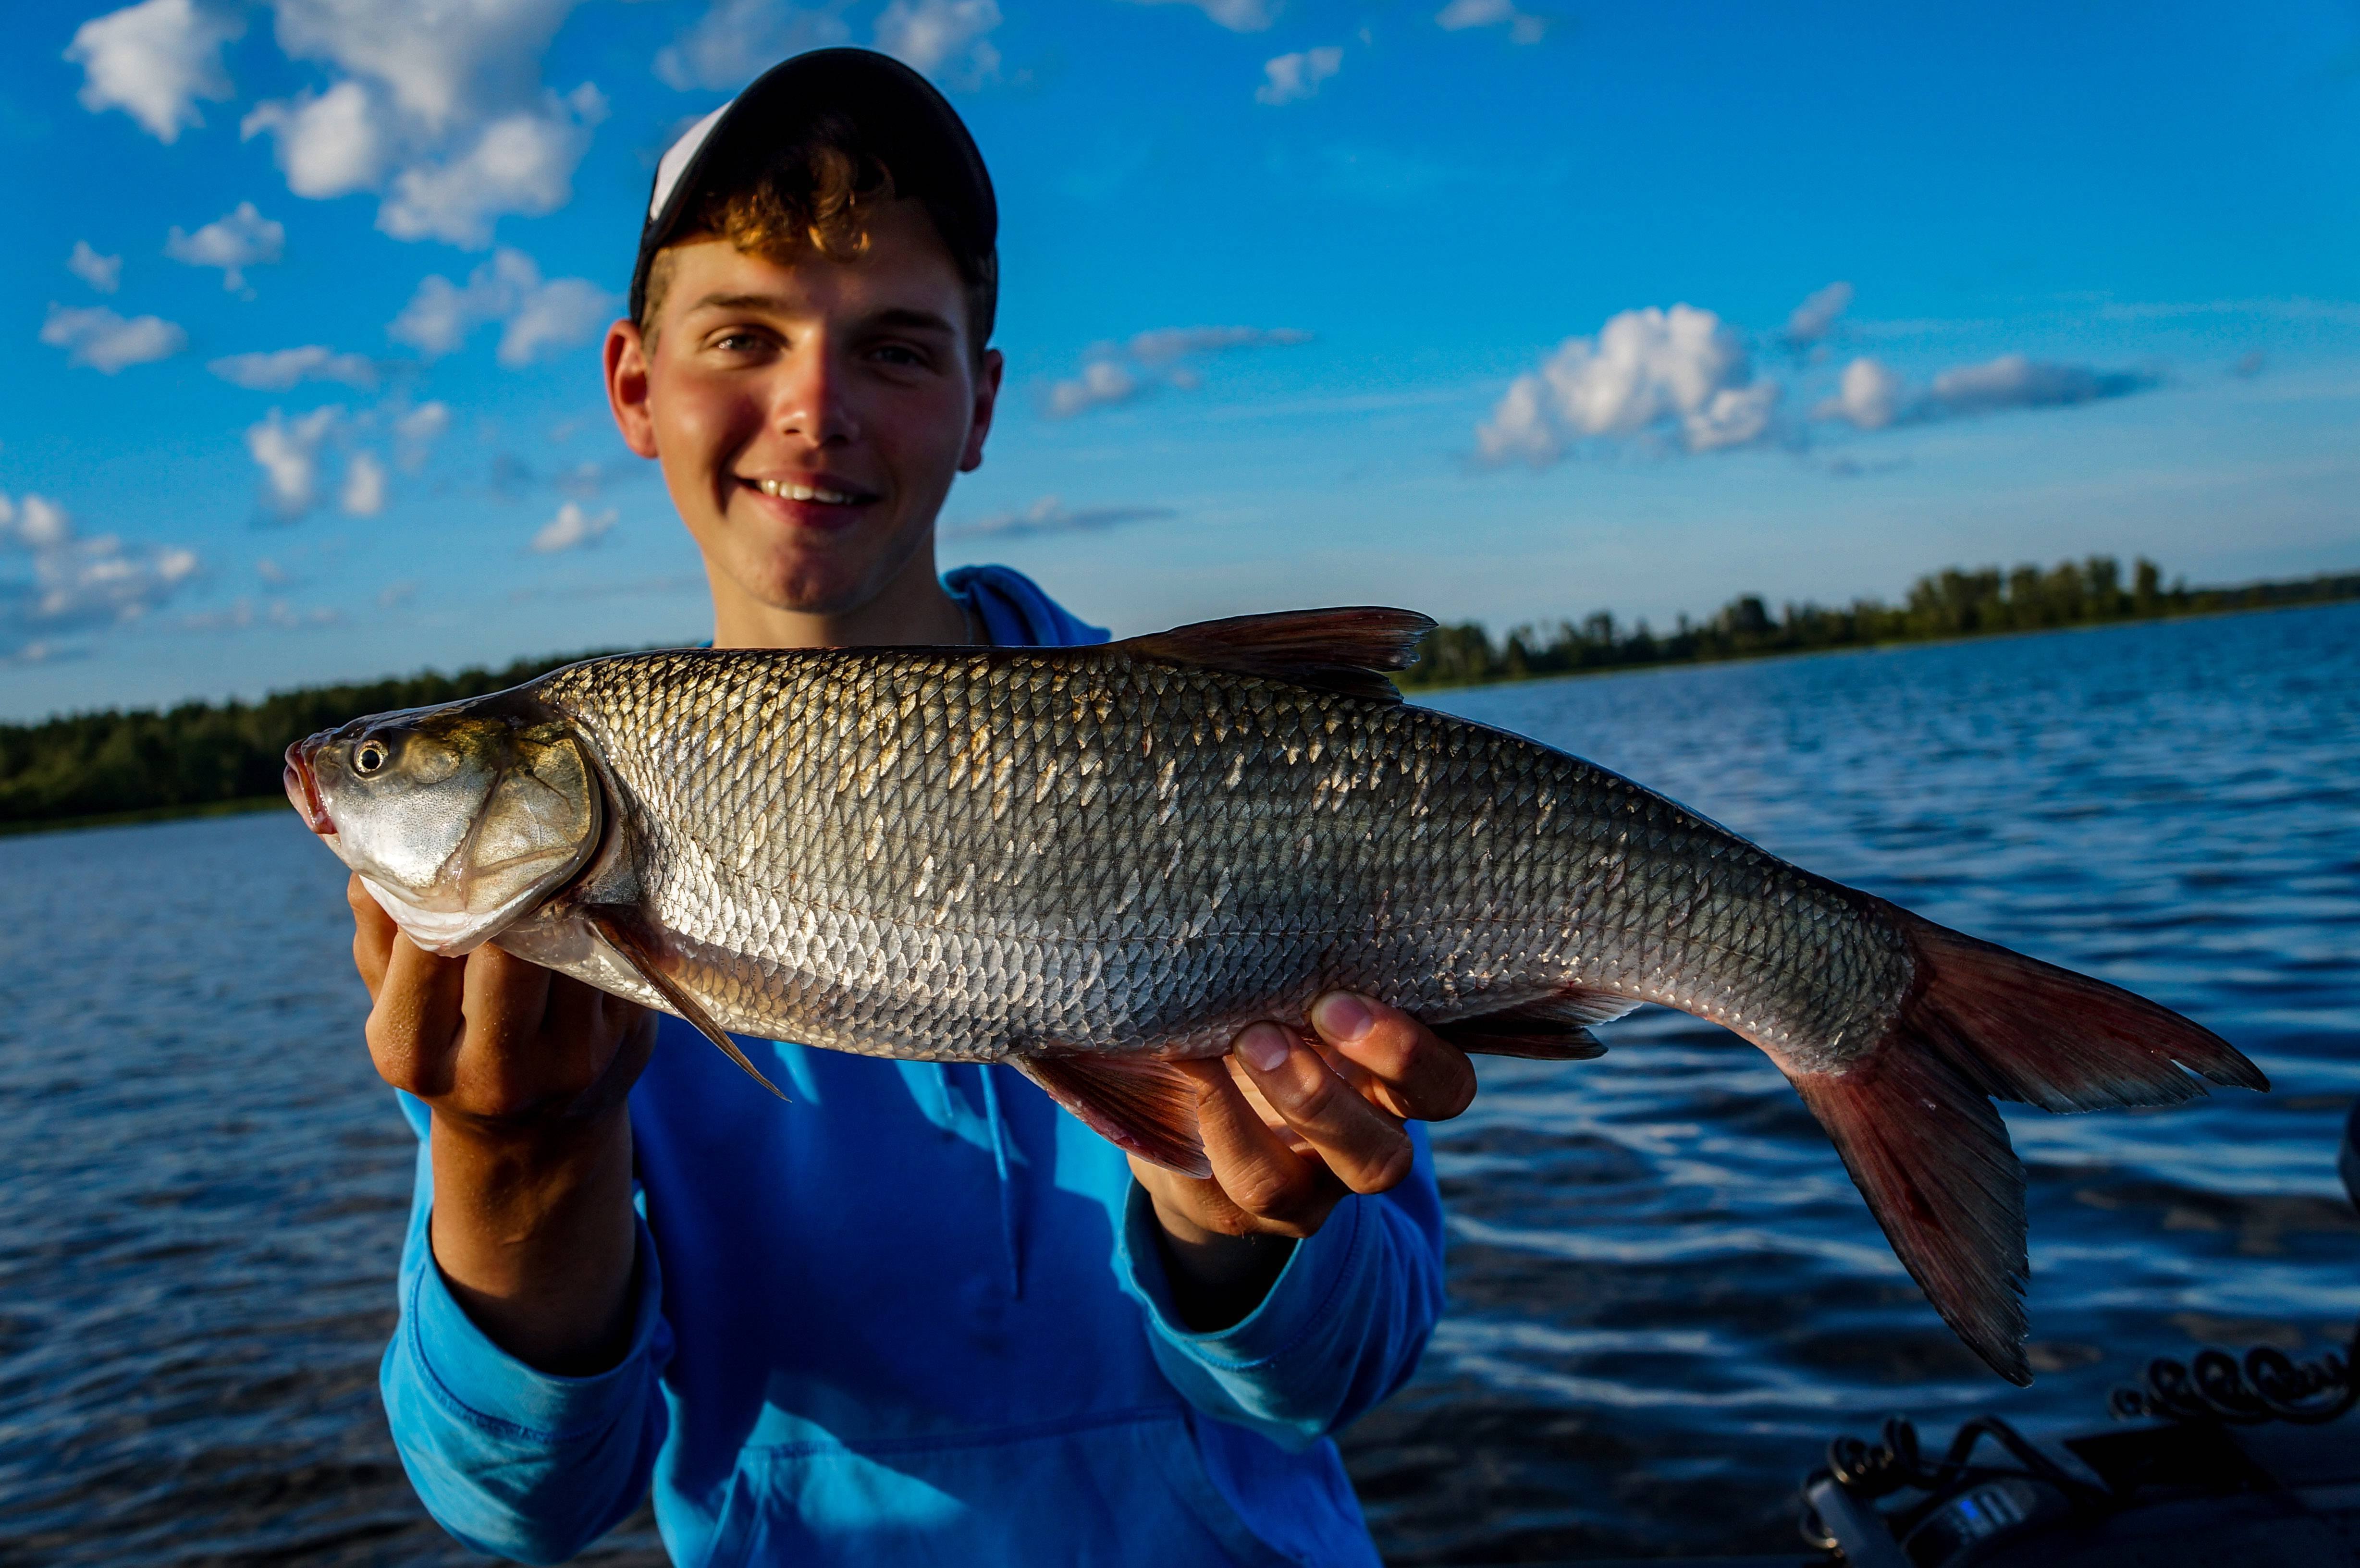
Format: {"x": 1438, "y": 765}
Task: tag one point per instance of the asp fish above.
{"x": 1090, "y": 861}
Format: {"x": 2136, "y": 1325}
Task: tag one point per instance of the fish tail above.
{"x": 1915, "y": 1125}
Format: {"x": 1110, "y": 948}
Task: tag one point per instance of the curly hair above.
{"x": 812, "y": 197}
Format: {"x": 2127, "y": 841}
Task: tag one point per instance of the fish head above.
{"x": 460, "y": 820}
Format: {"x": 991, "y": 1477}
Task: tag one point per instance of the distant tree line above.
{"x": 1949, "y": 604}
{"x": 203, "y": 754}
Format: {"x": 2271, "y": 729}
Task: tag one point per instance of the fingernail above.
{"x": 1341, "y": 1016}
{"x": 1266, "y": 1047}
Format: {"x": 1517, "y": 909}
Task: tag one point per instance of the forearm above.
{"x": 535, "y": 1235}
{"x": 1215, "y": 1280}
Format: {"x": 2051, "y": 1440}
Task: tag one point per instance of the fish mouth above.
{"x": 303, "y": 788}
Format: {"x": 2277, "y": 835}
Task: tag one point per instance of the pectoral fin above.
{"x": 1551, "y": 1030}
{"x": 1141, "y": 1106}
{"x": 641, "y": 959}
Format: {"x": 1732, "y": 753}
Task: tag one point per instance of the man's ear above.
{"x": 627, "y": 388}
{"x": 986, "y": 395}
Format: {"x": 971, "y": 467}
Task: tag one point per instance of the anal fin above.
{"x": 1553, "y": 1029}
{"x": 1140, "y": 1104}
{"x": 641, "y": 959}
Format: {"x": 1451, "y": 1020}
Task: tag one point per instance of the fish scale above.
{"x": 955, "y": 857}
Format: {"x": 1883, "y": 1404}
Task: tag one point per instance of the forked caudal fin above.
{"x": 1929, "y": 1152}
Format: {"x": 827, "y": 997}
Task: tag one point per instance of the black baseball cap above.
{"x": 895, "y": 113}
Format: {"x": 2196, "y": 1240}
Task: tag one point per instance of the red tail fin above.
{"x": 1931, "y": 1154}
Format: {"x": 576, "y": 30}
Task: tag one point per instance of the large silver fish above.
{"x": 1088, "y": 862}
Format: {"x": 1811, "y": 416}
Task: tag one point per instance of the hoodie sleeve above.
{"x": 514, "y": 1462}
{"x": 1342, "y": 1327}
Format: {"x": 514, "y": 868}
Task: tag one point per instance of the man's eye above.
{"x": 900, "y": 353}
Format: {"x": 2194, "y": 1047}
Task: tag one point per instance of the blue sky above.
{"x": 1499, "y": 309}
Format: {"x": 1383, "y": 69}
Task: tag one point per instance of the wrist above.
{"x": 1217, "y": 1279}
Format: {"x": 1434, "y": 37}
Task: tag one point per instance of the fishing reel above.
{"x": 2227, "y": 1468}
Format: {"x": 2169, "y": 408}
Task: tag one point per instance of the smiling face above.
{"x": 810, "y": 415}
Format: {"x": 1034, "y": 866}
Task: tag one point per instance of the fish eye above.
{"x": 370, "y": 756}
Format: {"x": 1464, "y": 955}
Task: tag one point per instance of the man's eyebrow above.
{"x": 901, "y": 316}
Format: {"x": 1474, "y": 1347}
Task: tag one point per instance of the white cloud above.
{"x": 722, "y": 50}
{"x": 540, "y": 316}
{"x": 154, "y": 60}
{"x": 283, "y": 368}
{"x": 1869, "y": 396}
{"x": 287, "y": 451}
{"x": 106, "y": 342}
{"x": 1101, "y": 383}
{"x": 270, "y": 571}
{"x": 519, "y": 163}
{"x": 1872, "y": 396}
{"x": 1811, "y": 321}
{"x": 1293, "y": 77}
{"x": 440, "y": 105}
{"x": 1162, "y": 345}
{"x": 1524, "y": 27}
{"x": 416, "y": 432}
{"x": 364, "y": 492}
{"x": 1050, "y": 515}
{"x": 943, "y": 38}
{"x": 1157, "y": 357}
{"x": 329, "y": 143}
{"x": 1681, "y": 372}
{"x": 572, "y": 528}
{"x": 1238, "y": 16}
{"x": 2013, "y": 381}
{"x": 103, "y": 273}
{"x": 242, "y": 238}
{"x": 76, "y": 582}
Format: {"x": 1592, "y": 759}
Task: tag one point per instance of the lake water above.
{"x": 1665, "y": 1294}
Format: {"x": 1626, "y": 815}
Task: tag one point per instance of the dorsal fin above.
{"x": 1343, "y": 650}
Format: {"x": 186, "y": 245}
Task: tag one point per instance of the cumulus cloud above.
{"x": 1050, "y": 515}
{"x": 103, "y": 273}
{"x": 1681, "y": 372}
{"x": 722, "y": 50}
{"x": 1869, "y": 396}
{"x": 286, "y": 368}
{"x": 154, "y": 60}
{"x": 1872, "y": 397}
{"x": 106, "y": 342}
{"x": 1238, "y": 16}
{"x": 1815, "y": 318}
{"x": 1119, "y": 373}
{"x": 364, "y": 492}
{"x": 1524, "y": 27}
{"x": 572, "y": 528}
{"x": 416, "y": 432}
{"x": 287, "y": 452}
{"x": 1293, "y": 77}
{"x": 441, "y": 107}
{"x": 540, "y": 316}
{"x": 75, "y": 583}
{"x": 329, "y": 144}
{"x": 945, "y": 38}
{"x": 241, "y": 238}
{"x": 519, "y": 163}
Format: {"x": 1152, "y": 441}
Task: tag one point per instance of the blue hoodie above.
{"x": 918, "y": 1316}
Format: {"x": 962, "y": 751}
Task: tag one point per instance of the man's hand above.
{"x": 1291, "y": 1126}
{"x": 526, "y": 1073}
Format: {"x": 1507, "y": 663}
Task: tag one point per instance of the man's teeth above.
{"x": 794, "y": 492}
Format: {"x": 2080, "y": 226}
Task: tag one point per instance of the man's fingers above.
{"x": 413, "y": 1029}
{"x": 1364, "y": 1147}
{"x": 1414, "y": 1071}
{"x": 373, "y": 934}
{"x": 1272, "y": 1187}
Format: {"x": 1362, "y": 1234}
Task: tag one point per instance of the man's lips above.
{"x": 811, "y": 489}
{"x": 303, "y": 790}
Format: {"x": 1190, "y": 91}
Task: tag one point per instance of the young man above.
{"x": 921, "y": 1315}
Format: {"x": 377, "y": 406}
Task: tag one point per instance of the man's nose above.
{"x": 814, "y": 400}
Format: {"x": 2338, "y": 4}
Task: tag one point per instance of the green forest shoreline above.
{"x": 118, "y": 767}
